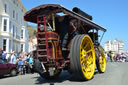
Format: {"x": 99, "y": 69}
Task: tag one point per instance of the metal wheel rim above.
{"x": 87, "y": 57}
{"x": 102, "y": 62}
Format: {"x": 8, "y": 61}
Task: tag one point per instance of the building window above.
{"x": 10, "y": 45}
{"x": 22, "y": 33}
{"x": 14, "y": 2}
{"x": 13, "y": 46}
{"x": 22, "y": 22}
{"x": 4, "y": 44}
{"x": 22, "y": 10}
{"x": 22, "y": 46}
{"x": 5, "y": 25}
{"x": 17, "y": 48}
{"x": 5, "y": 7}
{"x": 10, "y": 26}
{"x": 13, "y": 30}
{"x": 16, "y": 33}
{"x": 13, "y": 13}
{"x": 17, "y": 17}
{"x": 17, "y": 4}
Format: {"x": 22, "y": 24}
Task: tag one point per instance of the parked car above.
{"x": 7, "y": 68}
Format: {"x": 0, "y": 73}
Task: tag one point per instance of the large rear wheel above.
{"x": 82, "y": 57}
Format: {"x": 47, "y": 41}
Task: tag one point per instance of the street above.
{"x": 116, "y": 74}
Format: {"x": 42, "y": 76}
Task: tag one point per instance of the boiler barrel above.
{"x": 77, "y": 10}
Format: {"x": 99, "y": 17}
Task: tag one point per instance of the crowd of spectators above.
{"x": 23, "y": 60}
{"x": 115, "y": 57}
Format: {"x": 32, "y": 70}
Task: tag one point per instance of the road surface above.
{"x": 116, "y": 74}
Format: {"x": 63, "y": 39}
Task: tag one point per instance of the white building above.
{"x": 13, "y": 31}
{"x": 116, "y": 46}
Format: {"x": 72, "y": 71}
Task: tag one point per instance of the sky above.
{"x": 110, "y": 14}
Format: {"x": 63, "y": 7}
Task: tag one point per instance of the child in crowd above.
{"x": 20, "y": 65}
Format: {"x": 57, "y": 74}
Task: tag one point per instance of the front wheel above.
{"x": 82, "y": 57}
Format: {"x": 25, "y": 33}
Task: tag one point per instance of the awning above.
{"x": 46, "y": 9}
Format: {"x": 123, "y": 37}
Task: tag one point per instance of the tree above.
{"x": 31, "y": 31}
{"x": 34, "y": 33}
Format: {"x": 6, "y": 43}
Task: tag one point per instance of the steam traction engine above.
{"x": 66, "y": 40}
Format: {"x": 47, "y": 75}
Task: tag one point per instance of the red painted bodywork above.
{"x": 48, "y": 45}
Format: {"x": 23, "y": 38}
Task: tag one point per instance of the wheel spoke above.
{"x": 86, "y": 45}
{"x": 91, "y": 67}
{"x": 89, "y": 51}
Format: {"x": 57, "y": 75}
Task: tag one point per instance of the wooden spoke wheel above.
{"x": 101, "y": 63}
{"x": 82, "y": 57}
